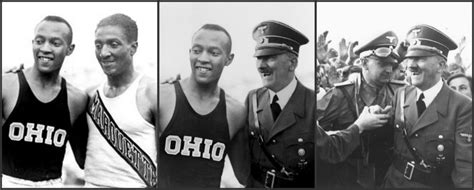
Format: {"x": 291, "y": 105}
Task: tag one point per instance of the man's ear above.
{"x": 230, "y": 58}
{"x": 363, "y": 63}
{"x": 293, "y": 63}
{"x": 70, "y": 49}
{"x": 442, "y": 65}
{"x": 134, "y": 48}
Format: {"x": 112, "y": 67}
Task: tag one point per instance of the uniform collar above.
{"x": 284, "y": 94}
{"x": 431, "y": 93}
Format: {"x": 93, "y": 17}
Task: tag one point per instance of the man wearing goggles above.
{"x": 366, "y": 166}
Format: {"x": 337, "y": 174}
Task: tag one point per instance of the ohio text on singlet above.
{"x": 193, "y": 146}
{"x": 35, "y": 134}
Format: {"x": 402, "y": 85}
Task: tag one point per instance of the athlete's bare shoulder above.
{"x": 10, "y": 91}
{"x": 167, "y": 101}
{"x": 236, "y": 114}
{"x": 147, "y": 101}
{"x": 9, "y": 83}
{"x": 149, "y": 87}
{"x": 167, "y": 91}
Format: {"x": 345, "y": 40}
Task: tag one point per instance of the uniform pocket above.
{"x": 299, "y": 150}
{"x": 439, "y": 148}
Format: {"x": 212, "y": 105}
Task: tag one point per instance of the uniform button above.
{"x": 397, "y": 126}
{"x": 301, "y": 152}
{"x": 416, "y": 134}
{"x": 274, "y": 141}
{"x": 440, "y": 136}
{"x": 273, "y": 156}
{"x": 300, "y": 140}
{"x": 414, "y": 148}
{"x": 252, "y": 133}
{"x": 440, "y": 148}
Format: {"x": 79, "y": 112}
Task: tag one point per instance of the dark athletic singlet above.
{"x": 193, "y": 146}
{"x": 35, "y": 134}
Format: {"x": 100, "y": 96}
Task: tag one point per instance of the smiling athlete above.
{"x": 198, "y": 121}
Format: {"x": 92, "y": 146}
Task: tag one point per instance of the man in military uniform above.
{"x": 341, "y": 106}
{"x": 281, "y": 114}
{"x": 433, "y": 123}
{"x": 336, "y": 147}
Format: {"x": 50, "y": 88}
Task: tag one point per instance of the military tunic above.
{"x": 337, "y": 110}
{"x": 441, "y": 137}
{"x": 290, "y": 140}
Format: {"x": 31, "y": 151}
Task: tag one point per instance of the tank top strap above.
{"x": 180, "y": 97}
{"x": 134, "y": 86}
{"x": 62, "y": 96}
{"x": 25, "y": 90}
{"x": 221, "y": 106}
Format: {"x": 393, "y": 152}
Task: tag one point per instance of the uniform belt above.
{"x": 271, "y": 178}
{"x": 415, "y": 172}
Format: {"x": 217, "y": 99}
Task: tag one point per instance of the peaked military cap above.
{"x": 425, "y": 40}
{"x": 387, "y": 39}
{"x": 274, "y": 37}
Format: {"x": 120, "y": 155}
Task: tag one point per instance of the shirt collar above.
{"x": 284, "y": 94}
{"x": 431, "y": 93}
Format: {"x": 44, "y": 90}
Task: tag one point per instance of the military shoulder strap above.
{"x": 348, "y": 98}
{"x": 276, "y": 163}
{"x": 416, "y": 155}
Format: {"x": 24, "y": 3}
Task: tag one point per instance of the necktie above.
{"x": 420, "y": 105}
{"x": 276, "y": 109}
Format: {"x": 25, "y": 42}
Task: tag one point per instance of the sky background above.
{"x": 179, "y": 21}
{"x": 363, "y": 21}
{"x": 81, "y": 68}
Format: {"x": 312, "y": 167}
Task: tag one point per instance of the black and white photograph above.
{"x": 236, "y": 95}
{"x": 394, "y": 95}
{"x": 79, "y": 94}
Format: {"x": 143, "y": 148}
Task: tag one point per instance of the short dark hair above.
{"x": 52, "y": 18}
{"x": 215, "y": 27}
{"x": 123, "y": 21}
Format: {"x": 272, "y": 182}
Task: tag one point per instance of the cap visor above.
{"x": 268, "y": 51}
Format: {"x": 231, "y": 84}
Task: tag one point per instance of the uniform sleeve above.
{"x": 326, "y": 108}
{"x": 462, "y": 174}
{"x": 335, "y": 148}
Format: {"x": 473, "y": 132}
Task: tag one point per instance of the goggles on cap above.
{"x": 382, "y": 52}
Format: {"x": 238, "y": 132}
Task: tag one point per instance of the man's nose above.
{"x": 46, "y": 47}
{"x": 262, "y": 63}
{"x": 104, "y": 52}
{"x": 203, "y": 57}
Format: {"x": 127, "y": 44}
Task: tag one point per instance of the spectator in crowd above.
{"x": 461, "y": 83}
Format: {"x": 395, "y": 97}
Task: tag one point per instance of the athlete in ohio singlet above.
{"x": 34, "y": 136}
{"x": 193, "y": 146}
{"x": 108, "y": 149}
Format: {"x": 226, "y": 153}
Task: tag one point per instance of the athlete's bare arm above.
{"x": 239, "y": 153}
{"x": 147, "y": 100}
{"x": 10, "y": 91}
{"x": 236, "y": 114}
{"x": 77, "y": 102}
{"x": 167, "y": 105}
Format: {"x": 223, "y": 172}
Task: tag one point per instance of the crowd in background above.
{"x": 335, "y": 66}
